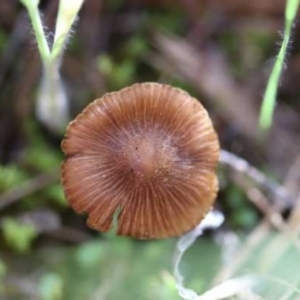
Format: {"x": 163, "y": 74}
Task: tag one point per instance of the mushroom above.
{"x": 149, "y": 150}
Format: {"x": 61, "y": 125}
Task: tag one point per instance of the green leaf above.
{"x": 18, "y": 236}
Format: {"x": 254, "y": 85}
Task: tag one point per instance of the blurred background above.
{"x": 222, "y": 53}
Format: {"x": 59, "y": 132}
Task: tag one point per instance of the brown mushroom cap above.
{"x": 149, "y": 150}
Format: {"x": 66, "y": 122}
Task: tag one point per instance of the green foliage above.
{"x": 117, "y": 268}
{"x": 119, "y": 74}
{"x": 274, "y": 258}
{"x": 51, "y": 287}
{"x": 39, "y": 154}
{"x": 120, "y": 268}
{"x": 18, "y": 236}
{"x": 136, "y": 47}
{"x": 246, "y": 50}
{"x": 243, "y": 214}
{"x": 200, "y": 264}
{"x": 3, "y": 39}
{"x": 10, "y": 176}
{"x": 171, "y": 20}
{"x": 56, "y": 194}
{"x": 88, "y": 254}
{"x": 114, "y": 4}
{"x": 123, "y": 71}
{"x": 3, "y": 271}
{"x": 43, "y": 158}
{"x": 38, "y": 158}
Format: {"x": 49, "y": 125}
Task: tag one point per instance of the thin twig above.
{"x": 27, "y": 188}
{"x": 271, "y": 212}
{"x": 240, "y": 165}
{"x": 292, "y": 184}
{"x": 70, "y": 234}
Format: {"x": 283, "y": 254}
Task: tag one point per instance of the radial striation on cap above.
{"x": 149, "y": 150}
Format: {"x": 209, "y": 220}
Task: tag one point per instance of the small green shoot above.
{"x": 52, "y": 102}
{"x": 269, "y": 100}
{"x": 32, "y": 8}
{"x": 114, "y": 228}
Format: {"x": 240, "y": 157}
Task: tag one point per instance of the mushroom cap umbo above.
{"x": 149, "y": 150}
